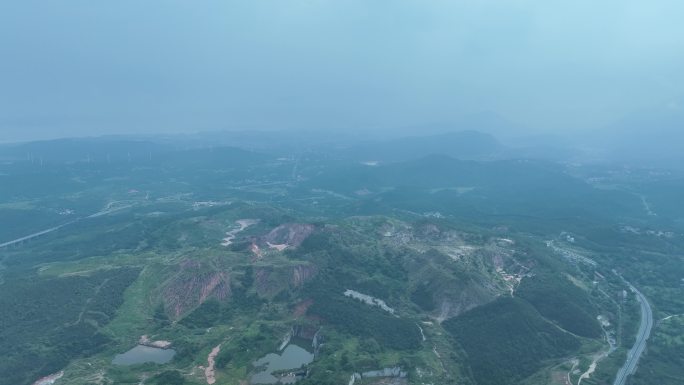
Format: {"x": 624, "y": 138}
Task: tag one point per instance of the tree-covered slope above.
{"x": 508, "y": 340}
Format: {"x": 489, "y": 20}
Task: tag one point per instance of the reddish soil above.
{"x": 290, "y": 234}
{"x": 302, "y": 307}
{"x": 209, "y": 371}
{"x": 192, "y": 286}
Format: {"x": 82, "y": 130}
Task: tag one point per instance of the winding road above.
{"x": 642, "y": 335}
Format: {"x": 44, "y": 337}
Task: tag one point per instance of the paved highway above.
{"x": 34, "y": 235}
{"x": 644, "y": 331}
{"x": 106, "y": 211}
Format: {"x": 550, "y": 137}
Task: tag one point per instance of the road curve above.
{"x": 640, "y": 344}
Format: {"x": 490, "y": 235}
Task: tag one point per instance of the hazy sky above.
{"x": 96, "y": 67}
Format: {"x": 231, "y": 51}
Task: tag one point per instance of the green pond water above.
{"x": 142, "y": 354}
{"x": 293, "y": 357}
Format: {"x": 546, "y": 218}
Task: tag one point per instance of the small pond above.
{"x": 293, "y": 357}
{"x": 142, "y": 354}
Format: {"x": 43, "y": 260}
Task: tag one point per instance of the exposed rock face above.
{"x": 160, "y": 344}
{"x": 271, "y": 280}
{"x": 457, "y": 271}
{"x": 450, "y": 286}
{"x": 285, "y": 236}
{"x": 452, "y": 307}
{"x": 301, "y": 274}
{"x": 263, "y": 279}
{"x": 305, "y": 331}
{"x": 289, "y": 234}
{"x": 193, "y": 285}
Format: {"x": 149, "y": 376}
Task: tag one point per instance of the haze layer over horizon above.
{"x": 95, "y": 68}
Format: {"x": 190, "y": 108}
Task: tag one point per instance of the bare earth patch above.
{"x": 49, "y": 380}
{"x": 242, "y": 224}
{"x": 161, "y": 344}
{"x": 279, "y": 247}
{"x": 209, "y": 371}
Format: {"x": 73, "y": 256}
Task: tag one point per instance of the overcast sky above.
{"x": 130, "y": 66}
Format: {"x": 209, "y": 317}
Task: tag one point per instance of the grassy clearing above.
{"x": 136, "y": 310}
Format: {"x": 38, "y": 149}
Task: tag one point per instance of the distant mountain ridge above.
{"x": 466, "y": 145}
{"x": 82, "y": 149}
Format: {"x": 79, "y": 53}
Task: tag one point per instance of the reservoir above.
{"x": 293, "y": 357}
{"x": 142, "y": 354}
